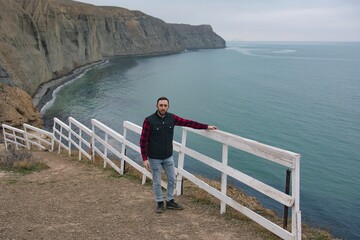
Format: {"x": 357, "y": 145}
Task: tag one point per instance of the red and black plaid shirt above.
{"x": 145, "y": 134}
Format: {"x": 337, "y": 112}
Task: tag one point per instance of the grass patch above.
{"x": 12, "y": 181}
{"x": 20, "y": 161}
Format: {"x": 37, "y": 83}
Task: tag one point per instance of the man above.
{"x": 156, "y": 143}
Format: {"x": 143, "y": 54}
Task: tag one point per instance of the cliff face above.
{"x": 201, "y": 36}
{"x": 42, "y": 40}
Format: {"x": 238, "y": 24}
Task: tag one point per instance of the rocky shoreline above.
{"x": 45, "y": 91}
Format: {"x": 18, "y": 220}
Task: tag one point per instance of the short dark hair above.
{"x": 162, "y": 98}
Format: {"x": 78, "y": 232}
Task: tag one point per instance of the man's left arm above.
{"x": 193, "y": 124}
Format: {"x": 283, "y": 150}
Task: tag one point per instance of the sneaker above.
{"x": 160, "y": 207}
{"x": 173, "y": 205}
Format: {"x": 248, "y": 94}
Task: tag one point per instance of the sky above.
{"x": 258, "y": 20}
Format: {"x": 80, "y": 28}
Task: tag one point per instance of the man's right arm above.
{"x": 144, "y": 138}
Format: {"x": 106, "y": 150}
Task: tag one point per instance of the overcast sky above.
{"x": 258, "y": 20}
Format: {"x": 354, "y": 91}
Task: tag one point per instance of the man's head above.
{"x": 162, "y": 106}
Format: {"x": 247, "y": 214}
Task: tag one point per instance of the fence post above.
{"x": 181, "y": 159}
{"x": 26, "y": 138}
{"x": 80, "y": 144}
{"x": 16, "y": 140}
{"x": 105, "y": 150}
{"x": 60, "y": 139}
{"x": 287, "y": 191}
{"x": 5, "y": 138}
{"x": 92, "y": 141}
{"x": 69, "y": 136}
{"x": 123, "y": 153}
{"x": 4, "y": 133}
{"x": 37, "y": 135}
{"x": 224, "y": 177}
{"x": 53, "y": 138}
{"x": 295, "y": 213}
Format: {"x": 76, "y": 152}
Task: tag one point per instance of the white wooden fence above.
{"x": 27, "y": 137}
{"x": 109, "y": 144}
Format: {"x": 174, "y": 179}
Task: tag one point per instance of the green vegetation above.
{"x": 20, "y": 161}
{"x": 1, "y": 88}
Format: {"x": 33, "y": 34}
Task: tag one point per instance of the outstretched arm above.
{"x": 190, "y": 123}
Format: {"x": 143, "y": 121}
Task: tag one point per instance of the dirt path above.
{"x": 78, "y": 200}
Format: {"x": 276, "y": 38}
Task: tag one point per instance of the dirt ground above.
{"x": 80, "y": 200}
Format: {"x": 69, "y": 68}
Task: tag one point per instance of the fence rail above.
{"x": 103, "y": 141}
{"x": 15, "y": 136}
{"x": 79, "y": 140}
{"x": 39, "y": 137}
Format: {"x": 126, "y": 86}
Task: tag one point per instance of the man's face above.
{"x": 162, "y": 107}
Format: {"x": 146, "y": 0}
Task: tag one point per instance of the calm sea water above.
{"x": 302, "y": 97}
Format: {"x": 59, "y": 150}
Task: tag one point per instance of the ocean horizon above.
{"x": 299, "y": 96}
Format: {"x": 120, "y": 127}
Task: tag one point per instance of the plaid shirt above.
{"x": 145, "y": 134}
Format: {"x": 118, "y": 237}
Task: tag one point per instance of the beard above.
{"x": 162, "y": 112}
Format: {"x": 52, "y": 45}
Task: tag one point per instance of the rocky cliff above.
{"x": 195, "y": 37}
{"x": 41, "y": 40}
{"x": 17, "y": 108}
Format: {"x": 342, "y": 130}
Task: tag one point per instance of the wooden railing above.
{"x": 30, "y": 136}
{"x": 110, "y": 145}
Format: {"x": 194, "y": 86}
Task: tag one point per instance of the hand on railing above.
{"x": 210, "y": 127}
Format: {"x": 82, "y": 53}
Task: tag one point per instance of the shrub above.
{"x": 20, "y": 161}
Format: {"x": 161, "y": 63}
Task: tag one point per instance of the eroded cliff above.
{"x": 195, "y": 37}
{"x": 17, "y": 108}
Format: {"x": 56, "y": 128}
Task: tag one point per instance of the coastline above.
{"x": 45, "y": 90}
{"x": 44, "y": 93}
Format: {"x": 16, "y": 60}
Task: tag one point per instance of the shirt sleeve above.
{"x": 189, "y": 123}
{"x": 144, "y": 138}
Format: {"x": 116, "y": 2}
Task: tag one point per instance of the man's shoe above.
{"x": 173, "y": 205}
{"x": 160, "y": 207}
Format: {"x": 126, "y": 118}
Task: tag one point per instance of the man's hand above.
{"x": 147, "y": 165}
{"x": 211, "y": 128}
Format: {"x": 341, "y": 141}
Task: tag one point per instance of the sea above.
{"x": 299, "y": 96}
